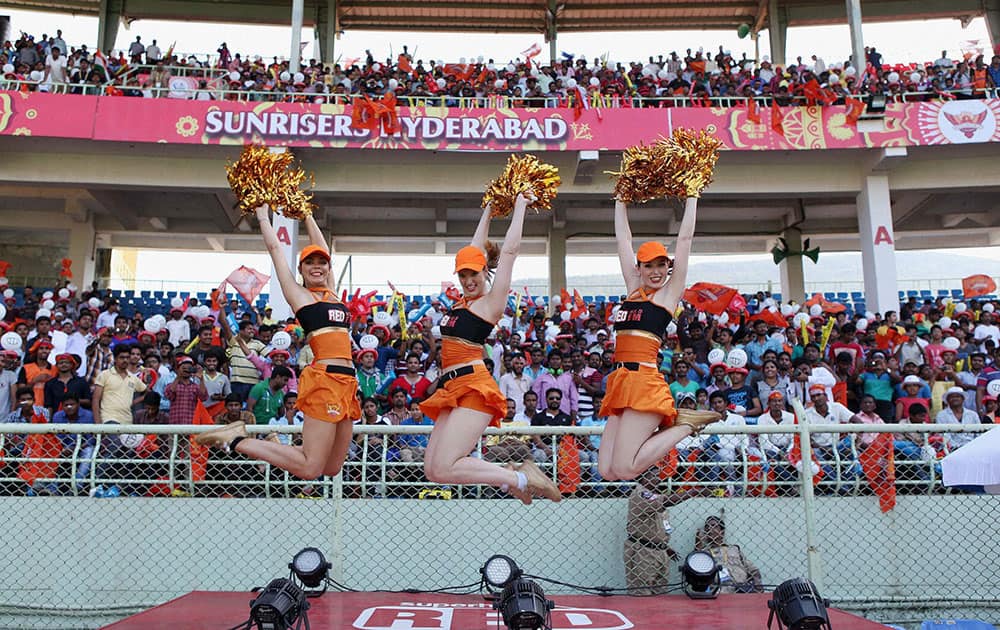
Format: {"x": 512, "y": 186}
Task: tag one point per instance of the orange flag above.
{"x": 199, "y": 453}
{"x": 776, "y": 117}
{"x": 827, "y": 305}
{"x": 568, "y": 470}
{"x": 753, "y": 114}
{"x": 977, "y": 285}
{"x": 579, "y": 306}
{"x": 880, "y": 469}
{"x": 404, "y": 63}
{"x": 854, "y": 110}
{"x": 714, "y": 298}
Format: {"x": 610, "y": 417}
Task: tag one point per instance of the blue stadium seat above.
{"x": 201, "y": 296}
{"x": 589, "y": 299}
{"x": 956, "y": 624}
{"x": 858, "y": 295}
{"x": 925, "y": 293}
{"x": 841, "y": 295}
{"x": 943, "y": 293}
{"x": 912, "y": 293}
{"x": 777, "y": 297}
{"x": 957, "y": 293}
{"x": 829, "y": 295}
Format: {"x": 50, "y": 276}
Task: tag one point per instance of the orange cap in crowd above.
{"x": 650, "y": 250}
{"x": 470, "y": 257}
{"x": 313, "y": 249}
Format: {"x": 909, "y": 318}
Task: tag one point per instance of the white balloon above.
{"x": 131, "y": 440}
{"x": 3, "y": 311}
{"x": 556, "y": 300}
{"x": 672, "y": 328}
{"x": 893, "y": 78}
{"x": 282, "y": 340}
{"x": 993, "y": 388}
{"x": 441, "y": 83}
{"x": 8, "y": 293}
{"x": 736, "y": 358}
{"x": 768, "y": 302}
{"x": 595, "y": 82}
{"x": 565, "y": 316}
{"x": 961, "y": 307}
{"x": 285, "y": 76}
{"x": 3, "y": 281}
{"x": 511, "y": 68}
{"x": 47, "y": 295}
{"x": 862, "y": 325}
{"x": 204, "y": 311}
{"x": 945, "y": 322}
{"x": 988, "y": 307}
{"x": 11, "y": 341}
{"x": 436, "y": 332}
{"x": 94, "y": 302}
{"x": 571, "y": 83}
{"x": 869, "y": 316}
{"x": 815, "y": 310}
{"x": 491, "y": 67}
{"x": 499, "y": 83}
{"x": 505, "y": 322}
{"x": 176, "y": 302}
{"x": 800, "y": 319}
{"x": 663, "y": 74}
{"x": 160, "y": 318}
{"x": 376, "y": 67}
{"x": 71, "y": 287}
{"x": 8, "y": 68}
{"x": 951, "y": 343}
{"x": 382, "y": 318}
{"x": 152, "y": 325}
{"x": 48, "y": 305}
{"x": 915, "y": 77}
{"x": 393, "y": 84}
{"x": 833, "y": 80}
{"x": 787, "y": 309}
{"x": 851, "y": 71}
{"x": 36, "y": 75}
{"x": 647, "y": 72}
{"x": 299, "y": 77}
{"x": 63, "y": 293}
{"x": 716, "y": 355}
{"x": 724, "y": 319}
{"x": 43, "y": 312}
{"x": 702, "y": 317}
{"x": 234, "y": 76}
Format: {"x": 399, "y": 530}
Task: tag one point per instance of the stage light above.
{"x": 876, "y": 103}
{"x": 498, "y": 572}
{"x": 278, "y": 606}
{"x": 701, "y": 575}
{"x": 310, "y": 567}
{"x": 523, "y": 606}
{"x": 797, "y": 605}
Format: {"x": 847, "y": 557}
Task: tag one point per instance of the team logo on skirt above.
{"x": 333, "y": 410}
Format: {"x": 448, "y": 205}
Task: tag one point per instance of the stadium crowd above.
{"x": 73, "y": 356}
{"x": 694, "y": 78}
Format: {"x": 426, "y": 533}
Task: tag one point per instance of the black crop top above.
{"x": 643, "y": 315}
{"x": 317, "y": 315}
{"x": 461, "y": 323}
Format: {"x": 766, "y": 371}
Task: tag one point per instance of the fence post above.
{"x": 814, "y": 560}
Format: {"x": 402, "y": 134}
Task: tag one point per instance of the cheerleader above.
{"x": 643, "y": 424}
{"x": 466, "y": 399}
{"x": 327, "y": 387}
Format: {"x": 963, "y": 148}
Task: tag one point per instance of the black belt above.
{"x": 631, "y": 366}
{"x": 662, "y": 546}
{"x": 462, "y": 371}
{"x": 341, "y": 369}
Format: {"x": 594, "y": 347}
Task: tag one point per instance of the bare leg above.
{"x": 641, "y": 445}
{"x": 309, "y": 461}
{"x": 447, "y": 459}
{"x": 607, "y": 448}
{"x": 338, "y": 452}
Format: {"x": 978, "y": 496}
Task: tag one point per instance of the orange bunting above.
{"x": 776, "y": 118}
{"x": 880, "y": 469}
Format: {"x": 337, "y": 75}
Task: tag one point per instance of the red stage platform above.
{"x": 206, "y": 610}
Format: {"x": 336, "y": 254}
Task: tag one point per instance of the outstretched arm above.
{"x": 626, "y": 255}
{"x": 315, "y": 234}
{"x": 483, "y": 229}
{"x": 496, "y": 300}
{"x": 678, "y": 279}
{"x": 295, "y": 295}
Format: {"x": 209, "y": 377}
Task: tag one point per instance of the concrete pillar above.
{"x": 793, "y": 283}
{"x": 557, "y": 258}
{"x": 878, "y": 244}
{"x": 777, "y": 30}
{"x": 83, "y": 249}
{"x": 298, "y": 7}
{"x": 326, "y": 30}
{"x": 107, "y": 23}
{"x": 992, "y": 9}
{"x": 551, "y": 31}
{"x": 857, "y": 37}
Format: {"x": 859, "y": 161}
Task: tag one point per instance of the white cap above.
{"x": 912, "y": 379}
{"x": 952, "y": 391}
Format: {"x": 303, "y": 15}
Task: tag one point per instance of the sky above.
{"x": 899, "y": 41}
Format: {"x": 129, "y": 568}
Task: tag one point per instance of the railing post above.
{"x": 814, "y": 559}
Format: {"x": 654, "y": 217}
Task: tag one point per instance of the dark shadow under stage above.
{"x": 204, "y": 610}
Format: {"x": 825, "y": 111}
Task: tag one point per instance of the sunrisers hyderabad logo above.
{"x": 6, "y": 111}
{"x": 957, "y": 122}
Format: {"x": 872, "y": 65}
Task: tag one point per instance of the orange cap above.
{"x": 470, "y": 257}
{"x": 313, "y": 249}
{"x": 650, "y": 250}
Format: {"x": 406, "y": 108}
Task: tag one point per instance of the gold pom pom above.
{"x": 261, "y": 177}
{"x": 523, "y": 173}
{"x": 679, "y": 166}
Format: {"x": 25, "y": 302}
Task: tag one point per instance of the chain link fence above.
{"x": 103, "y": 521}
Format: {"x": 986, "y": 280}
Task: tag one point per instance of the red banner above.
{"x": 433, "y": 127}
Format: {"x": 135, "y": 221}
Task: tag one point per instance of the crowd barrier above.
{"x": 83, "y": 551}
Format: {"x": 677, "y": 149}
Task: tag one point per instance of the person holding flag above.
{"x": 465, "y": 398}
{"x": 328, "y": 386}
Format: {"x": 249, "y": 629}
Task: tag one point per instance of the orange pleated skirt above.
{"x": 477, "y": 391}
{"x": 328, "y": 396}
{"x": 643, "y": 390}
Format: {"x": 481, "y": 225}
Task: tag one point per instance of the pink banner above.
{"x": 122, "y": 119}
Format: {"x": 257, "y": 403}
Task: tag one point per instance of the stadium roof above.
{"x": 516, "y": 16}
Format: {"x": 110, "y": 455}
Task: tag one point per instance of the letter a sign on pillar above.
{"x": 882, "y": 236}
